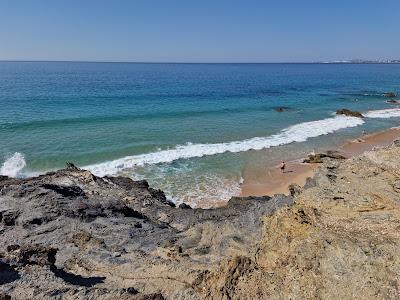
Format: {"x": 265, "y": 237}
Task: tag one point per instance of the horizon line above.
{"x": 178, "y": 62}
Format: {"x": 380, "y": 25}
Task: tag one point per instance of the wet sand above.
{"x": 271, "y": 181}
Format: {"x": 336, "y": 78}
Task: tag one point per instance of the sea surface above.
{"x": 189, "y": 129}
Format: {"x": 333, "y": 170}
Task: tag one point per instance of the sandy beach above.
{"x": 272, "y": 181}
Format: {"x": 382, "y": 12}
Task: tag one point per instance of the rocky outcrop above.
{"x": 349, "y": 113}
{"x": 72, "y": 235}
{"x": 390, "y": 94}
{"x": 340, "y": 240}
{"x": 86, "y": 237}
{"x": 318, "y": 157}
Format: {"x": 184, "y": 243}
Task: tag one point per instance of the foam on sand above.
{"x": 13, "y": 165}
{"x": 296, "y": 133}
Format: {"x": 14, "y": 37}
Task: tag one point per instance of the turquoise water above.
{"x": 187, "y": 128}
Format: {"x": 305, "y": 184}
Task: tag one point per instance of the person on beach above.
{"x": 283, "y": 166}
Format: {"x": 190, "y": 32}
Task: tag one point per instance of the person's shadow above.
{"x": 288, "y": 171}
{"x": 77, "y": 279}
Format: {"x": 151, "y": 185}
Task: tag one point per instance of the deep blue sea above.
{"x": 190, "y": 129}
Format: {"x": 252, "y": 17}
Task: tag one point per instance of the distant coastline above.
{"x": 352, "y": 61}
{"x": 362, "y": 61}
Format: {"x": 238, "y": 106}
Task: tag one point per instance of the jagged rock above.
{"x": 3, "y": 177}
{"x": 390, "y": 94}
{"x": 128, "y": 183}
{"x": 83, "y": 239}
{"x": 71, "y": 166}
{"x": 294, "y": 189}
{"x": 115, "y": 223}
{"x": 313, "y": 159}
{"x": 65, "y": 191}
{"x": 8, "y": 217}
{"x": 349, "y": 113}
{"x": 334, "y": 155}
{"x": 392, "y": 101}
{"x": 338, "y": 238}
{"x": 184, "y": 206}
{"x": 30, "y": 255}
{"x": 317, "y": 158}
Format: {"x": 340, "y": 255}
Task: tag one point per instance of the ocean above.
{"x": 189, "y": 129}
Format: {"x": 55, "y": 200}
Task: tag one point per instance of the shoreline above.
{"x": 272, "y": 181}
{"x": 72, "y": 227}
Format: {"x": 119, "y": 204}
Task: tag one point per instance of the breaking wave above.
{"x": 296, "y": 133}
{"x": 383, "y": 113}
{"x": 13, "y": 165}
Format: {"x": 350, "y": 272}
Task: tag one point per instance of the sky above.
{"x": 199, "y": 30}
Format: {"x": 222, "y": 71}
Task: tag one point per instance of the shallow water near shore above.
{"x": 190, "y": 129}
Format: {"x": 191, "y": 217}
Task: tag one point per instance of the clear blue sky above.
{"x": 199, "y": 30}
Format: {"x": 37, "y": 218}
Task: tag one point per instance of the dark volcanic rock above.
{"x": 71, "y": 166}
{"x": 65, "y": 191}
{"x": 349, "y": 113}
{"x": 30, "y": 255}
{"x": 113, "y": 230}
{"x": 8, "y": 217}
{"x": 184, "y": 206}
{"x": 389, "y": 94}
{"x": 127, "y": 183}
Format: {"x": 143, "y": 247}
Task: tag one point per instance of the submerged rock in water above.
{"x": 281, "y": 108}
{"x": 390, "y": 94}
{"x": 349, "y": 113}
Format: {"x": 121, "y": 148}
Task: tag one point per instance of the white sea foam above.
{"x": 13, "y": 165}
{"x": 209, "y": 190}
{"x": 383, "y": 113}
{"x": 203, "y": 191}
{"x": 296, "y": 133}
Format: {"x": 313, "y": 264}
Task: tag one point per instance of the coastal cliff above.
{"x": 72, "y": 235}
